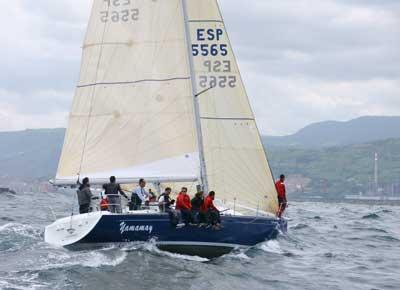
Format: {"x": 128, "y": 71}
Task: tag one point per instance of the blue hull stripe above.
{"x": 236, "y": 231}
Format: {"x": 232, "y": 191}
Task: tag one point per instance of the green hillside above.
{"x": 334, "y": 171}
{"x": 334, "y": 133}
{"x": 339, "y": 170}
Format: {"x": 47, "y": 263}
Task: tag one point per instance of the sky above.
{"x": 302, "y": 61}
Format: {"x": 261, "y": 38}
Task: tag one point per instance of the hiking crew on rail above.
{"x": 199, "y": 210}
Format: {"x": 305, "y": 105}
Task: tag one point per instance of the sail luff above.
{"x": 91, "y": 100}
{"x": 199, "y": 133}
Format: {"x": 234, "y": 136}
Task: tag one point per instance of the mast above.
{"x": 199, "y": 133}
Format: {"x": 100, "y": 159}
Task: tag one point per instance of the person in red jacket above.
{"x": 281, "y": 189}
{"x": 212, "y": 213}
{"x": 184, "y": 205}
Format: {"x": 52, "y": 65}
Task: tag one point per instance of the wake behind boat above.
{"x": 160, "y": 97}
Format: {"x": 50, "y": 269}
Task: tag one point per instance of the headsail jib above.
{"x": 237, "y": 167}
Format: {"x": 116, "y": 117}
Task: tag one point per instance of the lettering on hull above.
{"x": 135, "y": 228}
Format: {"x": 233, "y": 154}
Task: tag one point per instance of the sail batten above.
{"x": 133, "y": 82}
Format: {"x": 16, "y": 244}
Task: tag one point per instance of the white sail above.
{"x": 236, "y": 164}
{"x": 132, "y": 114}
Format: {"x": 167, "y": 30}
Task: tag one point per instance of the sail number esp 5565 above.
{"x": 208, "y": 45}
{"x": 118, "y": 11}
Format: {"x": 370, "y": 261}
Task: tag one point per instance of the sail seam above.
{"x": 127, "y": 43}
{"x": 206, "y": 21}
{"x": 222, "y": 118}
{"x": 133, "y": 82}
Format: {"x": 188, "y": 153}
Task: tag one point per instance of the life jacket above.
{"x": 281, "y": 189}
{"x": 183, "y": 202}
{"x": 104, "y": 204}
{"x": 209, "y": 204}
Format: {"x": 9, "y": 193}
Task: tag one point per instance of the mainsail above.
{"x": 136, "y": 114}
{"x": 132, "y": 114}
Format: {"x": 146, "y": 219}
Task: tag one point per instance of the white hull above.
{"x": 70, "y": 230}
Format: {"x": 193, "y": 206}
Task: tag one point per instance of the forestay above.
{"x": 132, "y": 114}
{"x": 236, "y": 163}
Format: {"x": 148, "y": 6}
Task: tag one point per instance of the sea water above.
{"x": 328, "y": 246}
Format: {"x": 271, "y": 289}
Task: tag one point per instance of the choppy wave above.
{"x": 271, "y": 247}
{"x": 23, "y": 230}
{"x": 388, "y": 238}
{"x": 7, "y": 219}
{"x": 337, "y": 242}
{"x": 371, "y": 216}
{"x": 240, "y": 256}
{"x": 152, "y": 248}
{"x": 370, "y": 229}
{"x": 28, "y": 280}
{"x": 299, "y": 227}
{"x": 16, "y": 236}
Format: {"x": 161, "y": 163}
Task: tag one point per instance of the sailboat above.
{"x": 160, "y": 97}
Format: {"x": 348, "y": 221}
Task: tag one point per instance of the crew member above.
{"x": 140, "y": 195}
{"x": 212, "y": 213}
{"x": 184, "y": 206}
{"x": 281, "y": 189}
{"x": 84, "y": 196}
{"x": 152, "y": 196}
{"x": 112, "y": 191}
{"x": 197, "y": 204}
{"x": 164, "y": 201}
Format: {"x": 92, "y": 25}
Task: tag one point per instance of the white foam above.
{"x": 99, "y": 259}
{"x": 152, "y": 248}
{"x": 21, "y": 229}
{"x": 29, "y": 281}
{"x": 6, "y": 226}
{"x": 91, "y": 259}
{"x": 239, "y": 256}
{"x": 271, "y": 246}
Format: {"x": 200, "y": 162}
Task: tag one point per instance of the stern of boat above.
{"x": 70, "y": 230}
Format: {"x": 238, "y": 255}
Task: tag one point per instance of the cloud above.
{"x": 317, "y": 60}
{"x": 40, "y": 56}
{"x": 302, "y": 61}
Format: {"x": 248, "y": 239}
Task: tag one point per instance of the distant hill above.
{"x": 330, "y": 170}
{"x": 30, "y": 154}
{"x": 333, "y": 133}
{"x": 336, "y": 171}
